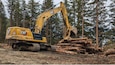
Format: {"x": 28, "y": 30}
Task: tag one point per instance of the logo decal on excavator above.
{"x": 52, "y": 12}
{"x": 23, "y": 32}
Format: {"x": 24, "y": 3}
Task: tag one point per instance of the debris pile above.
{"x": 110, "y": 52}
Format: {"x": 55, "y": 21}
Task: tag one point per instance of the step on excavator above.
{"x": 20, "y": 38}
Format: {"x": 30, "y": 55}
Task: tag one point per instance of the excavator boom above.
{"x": 42, "y": 18}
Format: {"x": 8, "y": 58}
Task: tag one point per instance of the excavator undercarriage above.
{"x": 19, "y": 45}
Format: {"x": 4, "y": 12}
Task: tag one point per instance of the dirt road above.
{"x": 8, "y": 56}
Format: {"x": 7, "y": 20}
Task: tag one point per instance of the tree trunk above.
{"x": 0, "y": 25}
{"x": 11, "y": 21}
{"x": 82, "y": 19}
{"x": 97, "y": 24}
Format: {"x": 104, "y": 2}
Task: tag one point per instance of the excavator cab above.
{"x": 37, "y": 36}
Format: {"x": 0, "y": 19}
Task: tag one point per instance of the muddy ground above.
{"x": 8, "y": 56}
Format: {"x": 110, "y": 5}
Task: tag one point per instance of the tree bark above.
{"x": 82, "y": 20}
{"x": 97, "y": 24}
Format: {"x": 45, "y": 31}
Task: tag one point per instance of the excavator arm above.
{"x": 45, "y": 15}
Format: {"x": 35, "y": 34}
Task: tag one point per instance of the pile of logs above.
{"x": 77, "y": 46}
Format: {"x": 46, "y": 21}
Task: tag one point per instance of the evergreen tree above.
{"x": 25, "y": 16}
{"x": 2, "y": 22}
{"x": 89, "y": 21}
{"x": 47, "y": 4}
{"x": 33, "y": 12}
{"x": 72, "y": 11}
{"x": 11, "y": 10}
{"x": 17, "y": 13}
{"x": 91, "y": 15}
{"x": 112, "y": 14}
{"x": 102, "y": 19}
{"x": 110, "y": 27}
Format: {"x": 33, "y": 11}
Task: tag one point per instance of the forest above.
{"x": 87, "y": 12}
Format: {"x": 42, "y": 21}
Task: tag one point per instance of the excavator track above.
{"x": 27, "y": 46}
{"x": 20, "y": 46}
{"x": 34, "y": 48}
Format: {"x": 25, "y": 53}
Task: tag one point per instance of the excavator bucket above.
{"x": 73, "y": 32}
{"x": 69, "y": 33}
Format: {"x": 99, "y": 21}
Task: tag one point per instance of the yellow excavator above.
{"x": 24, "y": 39}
